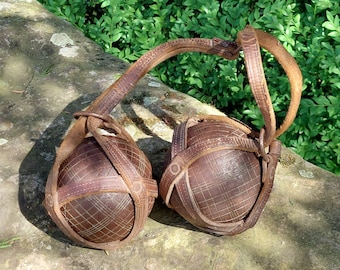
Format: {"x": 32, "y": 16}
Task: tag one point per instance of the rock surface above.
{"x": 48, "y": 71}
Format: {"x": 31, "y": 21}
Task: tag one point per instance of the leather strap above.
{"x": 116, "y": 92}
{"x": 293, "y": 72}
{"x": 74, "y": 191}
{"x": 250, "y": 40}
{"x": 253, "y": 60}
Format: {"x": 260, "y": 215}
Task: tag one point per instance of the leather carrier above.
{"x": 219, "y": 172}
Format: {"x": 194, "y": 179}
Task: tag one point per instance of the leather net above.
{"x": 219, "y": 173}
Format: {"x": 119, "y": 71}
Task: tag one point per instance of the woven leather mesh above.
{"x": 102, "y": 217}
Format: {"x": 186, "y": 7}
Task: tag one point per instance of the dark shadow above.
{"x": 156, "y": 150}
{"x": 162, "y": 214}
{"x": 34, "y": 170}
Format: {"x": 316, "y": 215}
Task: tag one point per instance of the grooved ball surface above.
{"x": 225, "y": 183}
{"x": 102, "y": 217}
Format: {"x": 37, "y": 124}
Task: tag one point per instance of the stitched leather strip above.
{"x": 131, "y": 178}
{"x": 189, "y": 203}
{"x": 292, "y": 70}
{"x": 115, "y": 93}
{"x": 102, "y": 184}
{"x": 252, "y": 56}
{"x": 180, "y": 137}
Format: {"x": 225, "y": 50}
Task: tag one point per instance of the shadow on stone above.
{"x": 156, "y": 149}
{"x": 35, "y": 168}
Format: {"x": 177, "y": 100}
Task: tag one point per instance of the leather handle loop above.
{"x": 251, "y": 40}
{"x": 252, "y": 56}
{"x": 288, "y": 63}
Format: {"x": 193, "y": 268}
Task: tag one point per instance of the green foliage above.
{"x": 309, "y": 30}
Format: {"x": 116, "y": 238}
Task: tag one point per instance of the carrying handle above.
{"x": 96, "y": 115}
{"x": 227, "y": 49}
{"x": 104, "y": 104}
{"x": 251, "y": 40}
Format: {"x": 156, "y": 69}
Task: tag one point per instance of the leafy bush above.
{"x": 309, "y": 31}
